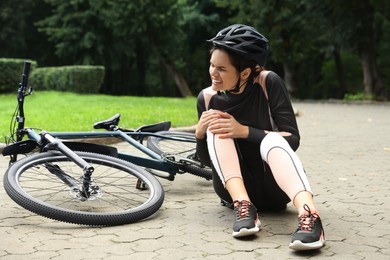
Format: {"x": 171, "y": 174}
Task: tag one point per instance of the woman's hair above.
{"x": 239, "y": 62}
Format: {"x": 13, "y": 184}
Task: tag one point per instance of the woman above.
{"x": 251, "y": 152}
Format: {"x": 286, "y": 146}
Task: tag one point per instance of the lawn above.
{"x": 63, "y": 111}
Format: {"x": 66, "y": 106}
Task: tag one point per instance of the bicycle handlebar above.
{"x": 23, "y": 87}
{"x": 26, "y": 72}
{"x": 24, "y": 84}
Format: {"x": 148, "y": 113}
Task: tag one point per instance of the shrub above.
{"x": 357, "y": 96}
{"x": 11, "y": 73}
{"x": 78, "y": 79}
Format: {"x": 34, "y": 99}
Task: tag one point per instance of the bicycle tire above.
{"x": 180, "y": 148}
{"x": 115, "y": 201}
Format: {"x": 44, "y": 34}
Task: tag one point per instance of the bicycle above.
{"x": 94, "y": 184}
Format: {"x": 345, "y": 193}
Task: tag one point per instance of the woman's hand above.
{"x": 226, "y": 126}
{"x": 205, "y": 119}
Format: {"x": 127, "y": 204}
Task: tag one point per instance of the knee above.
{"x": 270, "y": 141}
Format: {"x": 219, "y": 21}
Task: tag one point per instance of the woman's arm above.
{"x": 281, "y": 109}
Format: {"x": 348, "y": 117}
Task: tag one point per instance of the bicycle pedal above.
{"x": 141, "y": 185}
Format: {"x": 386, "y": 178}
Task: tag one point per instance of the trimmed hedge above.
{"x": 78, "y": 79}
{"x": 11, "y": 73}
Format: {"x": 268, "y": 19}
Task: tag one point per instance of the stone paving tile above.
{"x": 345, "y": 149}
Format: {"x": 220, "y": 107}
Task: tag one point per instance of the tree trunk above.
{"x": 181, "y": 83}
{"x": 340, "y": 75}
{"x": 289, "y": 79}
{"x": 165, "y": 89}
{"x": 368, "y": 78}
{"x": 379, "y": 88}
{"x": 141, "y": 70}
{"x": 373, "y": 85}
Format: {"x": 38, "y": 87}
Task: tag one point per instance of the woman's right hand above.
{"x": 204, "y": 121}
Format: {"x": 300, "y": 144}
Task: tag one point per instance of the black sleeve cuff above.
{"x": 255, "y": 135}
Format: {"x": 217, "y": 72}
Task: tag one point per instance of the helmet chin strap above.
{"x": 235, "y": 89}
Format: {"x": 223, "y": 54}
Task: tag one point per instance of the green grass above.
{"x": 63, "y": 111}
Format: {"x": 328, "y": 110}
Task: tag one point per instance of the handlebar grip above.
{"x": 26, "y": 72}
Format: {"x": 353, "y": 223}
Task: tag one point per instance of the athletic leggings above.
{"x": 285, "y": 165}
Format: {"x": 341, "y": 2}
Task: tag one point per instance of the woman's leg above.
{"x": 225, "y": 161}
{"x": 290, "y": 176}
{"x": 287, "y": 170}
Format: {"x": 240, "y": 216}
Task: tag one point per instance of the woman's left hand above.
{"x": 226, "y": 126}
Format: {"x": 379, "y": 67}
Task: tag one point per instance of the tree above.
{"x": 360, "y": 25}
{"x": 159, "y": 47}
{"x": 120, "y": 35}
{"x": 289, "y": 26}
{"x": 201, "y": 21}
{"x": 19, "y": 37}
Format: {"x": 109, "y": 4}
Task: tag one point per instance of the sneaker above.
{"x": 310, "y": 234}
{"x": 246, "y": 219}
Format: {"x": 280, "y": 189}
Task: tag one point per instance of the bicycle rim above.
{"x": 114, "y": 198}
{"x": 180, "y": 150}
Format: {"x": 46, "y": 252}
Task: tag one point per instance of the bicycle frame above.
{"x": 152, "y": 159}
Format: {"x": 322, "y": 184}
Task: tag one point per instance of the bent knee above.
{"x": 270, "y": 141}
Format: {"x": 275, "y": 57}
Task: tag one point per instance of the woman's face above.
{"x": 223, "y": 74}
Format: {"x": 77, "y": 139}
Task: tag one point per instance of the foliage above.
{"x": 358, "y": 96}
{"x": 329, "y": 82}
{"x": 19, "y": 37}
{"x": 383, "y": 60}
{"x": 78, "y": 79}
{"x": 288, "y": 25}
{"x": 121, "y": 35}
{"x": 65, "y": 111}
{"x": 360, "y": 23}
{"x": 11, "y": 72}
{"x": 157, "y": 48}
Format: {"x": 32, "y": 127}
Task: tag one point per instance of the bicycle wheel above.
{"x": 179, "y": 148}
{"x": 49, "y": 184}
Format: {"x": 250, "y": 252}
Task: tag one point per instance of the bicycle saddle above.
{"x": 108, "y": 123}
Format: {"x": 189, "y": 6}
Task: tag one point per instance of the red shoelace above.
{"x": 306, "y": 221}
{"x": 242, "y": 208}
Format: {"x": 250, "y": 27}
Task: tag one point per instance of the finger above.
{"x": 225, "y": 115}
{"x": 215, "y": 130}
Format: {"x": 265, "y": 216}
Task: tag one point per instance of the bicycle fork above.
{"x": 56, "y": 144}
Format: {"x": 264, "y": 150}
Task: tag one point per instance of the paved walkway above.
{"x": 345, "y": 150}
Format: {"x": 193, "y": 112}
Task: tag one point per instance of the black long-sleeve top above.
{"x": 250, "y": 108}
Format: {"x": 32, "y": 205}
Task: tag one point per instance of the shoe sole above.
{"x": 297, "y": 245}
{"x": 243, "y": 232}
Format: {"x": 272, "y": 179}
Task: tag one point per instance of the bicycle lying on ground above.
{"x": 93, "y": 184}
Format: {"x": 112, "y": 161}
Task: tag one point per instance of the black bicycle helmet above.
{"x": 243, "y": 40}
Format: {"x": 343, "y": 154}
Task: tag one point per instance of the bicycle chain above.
{"x": 170, "y": 157}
